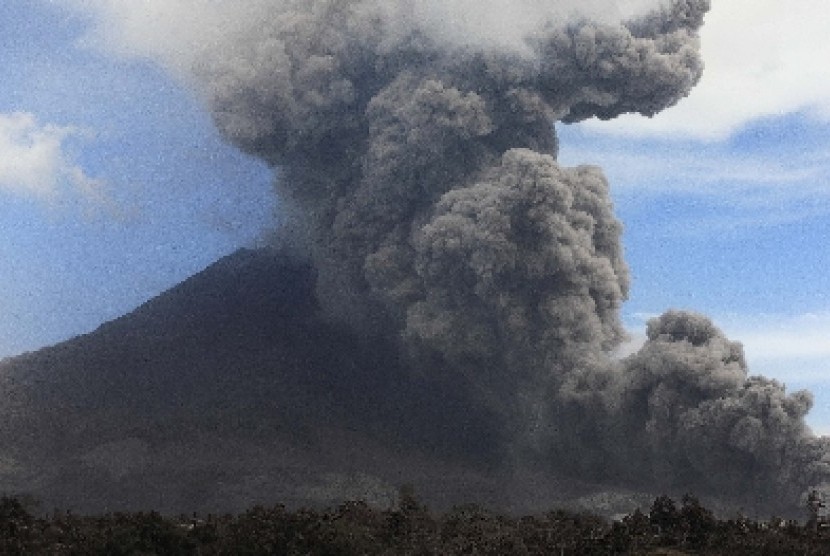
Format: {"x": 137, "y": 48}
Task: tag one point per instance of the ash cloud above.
{"x": 686, "y": 400}
{"x": 416, "y": 152}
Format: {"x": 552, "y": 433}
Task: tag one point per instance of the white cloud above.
{"x": 175, "y": 32}
{"x": 507, "y": 23}
{"x": 740, "y": 189}
{"x": 171, "y": 32}
{"x": 764, "y": 58}
{"x": 777, "y": 336}
{"x": 639, "y": 167}
{"x": 34, "y": 161}
{"x": 791, "y": 348}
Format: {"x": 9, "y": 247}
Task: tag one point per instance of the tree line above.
{"x": 668, "y": 527}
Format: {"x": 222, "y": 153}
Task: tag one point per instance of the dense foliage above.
{"x": 356, "y": 528}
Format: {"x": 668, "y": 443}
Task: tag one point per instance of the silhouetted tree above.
{"x": 814, "y": 506}
{"x": 666, "y": 518}
{"x": 698, "y": 522}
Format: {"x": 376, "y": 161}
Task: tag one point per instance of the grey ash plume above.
{"x": 416, "y": 157}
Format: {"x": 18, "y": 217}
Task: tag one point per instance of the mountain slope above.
{"x": 229, "y": 389}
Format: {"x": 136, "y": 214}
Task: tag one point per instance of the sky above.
{"x": 115, "y": 185}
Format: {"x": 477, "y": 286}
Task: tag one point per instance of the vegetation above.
{"x": 356, "y": 528}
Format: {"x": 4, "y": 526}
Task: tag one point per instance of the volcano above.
{"x": 230, "y": 389}
{"x": 455, "y": 318}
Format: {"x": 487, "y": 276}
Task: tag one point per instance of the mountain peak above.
{"x": 230, "y": 389}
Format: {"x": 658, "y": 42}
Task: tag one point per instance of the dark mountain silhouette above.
{"x": 230, "y": 389}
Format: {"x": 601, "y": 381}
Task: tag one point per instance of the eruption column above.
{"x": 418, "y": 172}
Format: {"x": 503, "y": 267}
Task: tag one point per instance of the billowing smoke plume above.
{"x": 417, "y": 168}
{"x": 687, "y": 405}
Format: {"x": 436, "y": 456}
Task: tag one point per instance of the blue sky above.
{"x": 114, "y": 185}
{"x": 137, "y": 193}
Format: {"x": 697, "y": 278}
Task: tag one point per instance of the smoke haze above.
{"x": 417, "y": 172}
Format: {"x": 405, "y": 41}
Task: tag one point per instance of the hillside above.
{"x": 228, "y": 390}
